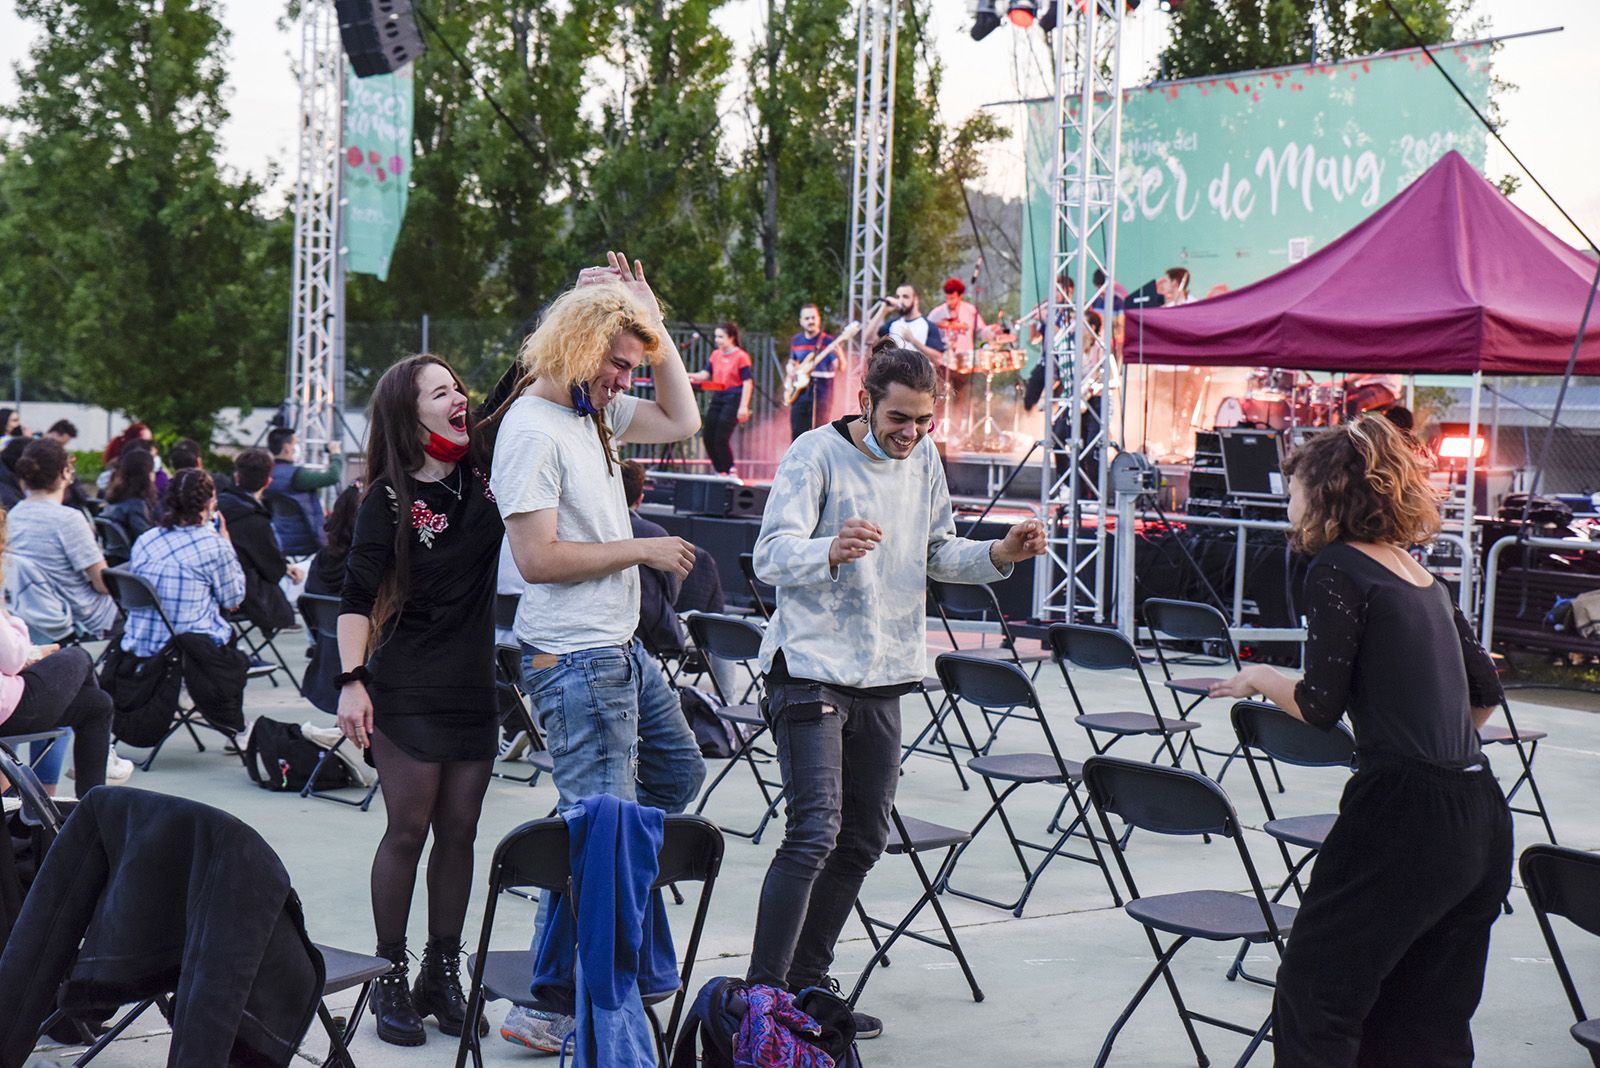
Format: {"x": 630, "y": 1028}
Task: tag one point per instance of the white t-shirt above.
{"x": 548, "y": 456}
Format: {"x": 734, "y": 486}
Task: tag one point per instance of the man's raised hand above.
{"x": 855, "y": 539}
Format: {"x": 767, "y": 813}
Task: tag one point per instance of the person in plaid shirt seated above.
{"x": 192, "y": 567}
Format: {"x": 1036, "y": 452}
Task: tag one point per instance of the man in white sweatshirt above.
{"x": 858, "y": 520}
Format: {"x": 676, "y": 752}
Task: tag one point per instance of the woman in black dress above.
{"x": 1385, "y": 962}
{"x": 416, "y": 647}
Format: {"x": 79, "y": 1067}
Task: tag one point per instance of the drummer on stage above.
{"x": 961, "y": 325}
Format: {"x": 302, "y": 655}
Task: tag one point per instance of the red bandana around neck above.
{"x": 443, "y": 449}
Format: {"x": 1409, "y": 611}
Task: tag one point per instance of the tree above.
{"x": 135, "y": 267}
{"x": 1233, "y": 35}
{"x": 658, "y": 188}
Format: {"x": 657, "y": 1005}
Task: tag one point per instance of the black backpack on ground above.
{"x": 711, "y": 1028}
{"x": 714, "y": 734}
{"x": 279, "y": 759}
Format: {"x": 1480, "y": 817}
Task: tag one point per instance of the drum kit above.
{"x": 995, "y": 358}
{"x": 1279, "y": 400}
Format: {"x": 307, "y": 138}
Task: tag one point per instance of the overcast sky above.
{"x": 1549, "y": 119}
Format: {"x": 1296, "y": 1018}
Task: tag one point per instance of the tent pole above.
{"x": 1466, "y": 599}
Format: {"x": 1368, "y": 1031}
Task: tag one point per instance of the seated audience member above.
{"x": 55, "y": 563}
{"x": 11, "y": 490}
{"x": 198, "y": 578}
{"x": 64, "y": 431}
{"x": 326, "y": 574}
{"x": 135, "y": 432}
{"x": 46, "y": 687}
{"x": 131, "y": 500}
{"x": 11, "y": 424}
{"x": 250, "y": 529}
{"x": 658, "y": 628}
{"x": 186, "y": 454}
{"x": 295, "y": 506}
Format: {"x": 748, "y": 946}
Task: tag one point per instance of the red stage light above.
{"x": 1022, "y": 12}
{"x": 1456, "y": 447}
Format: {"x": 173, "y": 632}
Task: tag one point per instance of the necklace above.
{"x": 454, "y": 490}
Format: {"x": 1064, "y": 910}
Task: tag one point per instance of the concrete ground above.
{"x": 1053, "y": 980}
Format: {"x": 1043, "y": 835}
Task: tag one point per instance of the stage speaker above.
{"x": 380, "y": 36}
{"x": 693, "y": 497}
{"x": 748, "y": 501}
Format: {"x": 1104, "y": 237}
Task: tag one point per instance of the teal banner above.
{"x": 1236, "y": 177}
{"x": 377, "y": 167}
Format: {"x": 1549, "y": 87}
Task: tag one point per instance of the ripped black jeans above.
{"x": 840, "y": 759}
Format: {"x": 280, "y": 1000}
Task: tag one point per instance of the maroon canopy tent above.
{"x": 1449, "y": 277}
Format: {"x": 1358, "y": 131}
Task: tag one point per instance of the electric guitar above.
{"x": 797, "y": 377}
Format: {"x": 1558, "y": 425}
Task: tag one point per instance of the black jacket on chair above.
{"x": 250, "y": 530}
{"x": 168, "y": 896}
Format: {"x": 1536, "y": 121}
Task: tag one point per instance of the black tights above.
{"x": 418, "y": 794}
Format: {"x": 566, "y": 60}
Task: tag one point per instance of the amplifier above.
{"x": 694, "y": 497}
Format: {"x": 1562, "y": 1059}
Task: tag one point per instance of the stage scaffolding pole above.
{"x": 1072, "y": 581}
{"x": 877, "y": 37}
{"x": 316, "y": 331}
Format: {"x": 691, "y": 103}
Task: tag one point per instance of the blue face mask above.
{"x": 581, "y": 402}
{"x": 871, "y": 442}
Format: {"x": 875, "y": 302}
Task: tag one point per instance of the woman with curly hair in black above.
{"x": 1385, "y": 962}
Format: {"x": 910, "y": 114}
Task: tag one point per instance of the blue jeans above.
{"x": 614, "y": 726}
{"x": 49, "y": 769}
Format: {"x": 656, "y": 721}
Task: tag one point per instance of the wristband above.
{"x": 357, "y": 674}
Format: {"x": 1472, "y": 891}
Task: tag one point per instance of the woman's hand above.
{"x": 39, "y": 652}
{"x": 355, "y": 714}
{"x": 1242, "y": 686}
{"x": 744, "y": 415}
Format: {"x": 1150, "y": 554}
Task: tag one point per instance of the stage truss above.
{"x": 1074, "y": 582}
{"x": 877, "y": 36}
{"x": 316, "y": 331}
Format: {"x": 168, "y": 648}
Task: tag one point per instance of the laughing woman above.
{"x": 416, "y": 646}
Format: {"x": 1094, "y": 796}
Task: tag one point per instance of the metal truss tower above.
{"x": 877, "y": 35}
{"x": 316, "y": 332}
{"x": 1072, "y": 581}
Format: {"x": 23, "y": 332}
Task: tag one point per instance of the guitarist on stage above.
{"x": 815, "y": 404}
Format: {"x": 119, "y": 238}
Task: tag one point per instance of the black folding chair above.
{"x": 763, "y": 595}
{"x": 1273, "y": 733}
{"x": 997, "y": 685}
{"x": 528, "y": 739}
{"x": 257, "y": 640}
{"x": 39, "y": 809}
{"x": 1566, "y": 882}
{"x": 1177, "y": 801}
{"x": 536, "y": 854}
{"x": 933, "y": 738}
{"x": 342, "y": 970}
{"x": 1526, "y": 744}
{"x": 321, "y": 613}
{"x": 1191, "y": 621}
{"x": 911, "y": 838}
{"x": 1101, "y": 649}
{"x": 737, "y": 640}
{"x": 132, "y": 592}
{"x": 114, "y": 541}
{"x": 978, "y": 603}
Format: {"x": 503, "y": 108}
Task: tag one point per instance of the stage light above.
{"x": 985, "y": 20}
{"x": 1457, "y": 446}
{"x": 1022, "y": 13}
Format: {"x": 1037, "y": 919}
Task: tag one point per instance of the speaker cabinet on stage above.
{"x": 693, "y": 497}
{"x": 380, "y": 36}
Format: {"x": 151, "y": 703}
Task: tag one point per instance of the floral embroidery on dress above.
{"x": 427, "y": 523}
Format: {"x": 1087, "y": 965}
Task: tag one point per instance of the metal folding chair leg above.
{"x": 746, "y": 753}
{"x": 310, "y": 788}
{"x": 934, "y": 732}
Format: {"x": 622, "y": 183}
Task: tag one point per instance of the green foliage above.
{"x": 1233, "y": 35}
{"x": 137, "y": 275}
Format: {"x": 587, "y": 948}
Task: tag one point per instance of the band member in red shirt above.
{"x": 727, "y": 381}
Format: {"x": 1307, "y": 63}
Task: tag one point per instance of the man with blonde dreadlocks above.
{"x": 614, "y": 724}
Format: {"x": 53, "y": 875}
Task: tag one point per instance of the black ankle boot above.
{"x": 438, "y": 990}
{"x": 397, "y": 1019}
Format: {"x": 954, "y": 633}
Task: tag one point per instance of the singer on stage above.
{"x": 728, "y": 383}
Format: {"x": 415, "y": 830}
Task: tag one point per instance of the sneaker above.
{"x": 542, "y": 1032}
{"x": 512, "y": 748}
{"x": 258, "y": 664}
{"x": 118, "y": 770}
{"x": 867, "y": 1026}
